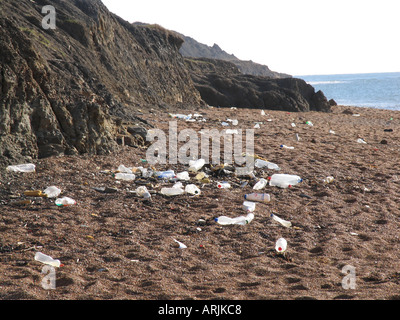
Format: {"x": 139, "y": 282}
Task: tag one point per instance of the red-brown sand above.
{"x": 118, "y": 246}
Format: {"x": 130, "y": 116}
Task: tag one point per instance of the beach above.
{"x": 119, "y": 246}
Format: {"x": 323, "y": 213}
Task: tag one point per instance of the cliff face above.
{"x": 62, "y": 90}
{"x": 220, "y": 83}
{"x": 194, "y": 49}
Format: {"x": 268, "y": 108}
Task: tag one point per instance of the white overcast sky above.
{"x": 298, "y": 37}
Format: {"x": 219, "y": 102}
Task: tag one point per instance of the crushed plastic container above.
{"x": 168, "y": 174}
{"x": 143, "y": 192}
{"x": 43, "y": 258}
{"x": 196, "y": 165}
{"x": 52, "y": 192}
{"x": 175, "y": 190}
{"x": 181, "y": 245}
{"x": 249, "y": 206}
{"x": 183, "y": 176}
{"x": 283, "y": 222}
{"x": 192, "y": 189}
{"x": 26, "y": 167}
{"x": 259, "y": 163}
{"x": 242, "y": 220}
{"x": 124, "y": 169}
{"x": 125, "y": 176}
{"x": 260, "y": 184}
{"x": 284, "y": 180}
{"x": 259, "y": 197}
{"x": 65, "y": 201}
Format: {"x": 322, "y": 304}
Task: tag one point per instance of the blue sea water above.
{"x": 375, "y": 90}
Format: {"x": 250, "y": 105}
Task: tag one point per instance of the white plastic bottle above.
{"x": 183, "y": 176}
{"x": 223, "y": 185}
{"x": 192, "y": 189}
{"x": 125, "y": 176}
{"x": 284, "y": 180}
{"x": 43, "y": 258}
{"x": 196, "y": 165}
{"x": 259, "y": 197}
{"x": 65, "y": 201}
{"x": 260, "y": 184}
{"x": 26, "y": 167}
{"x": 174, "y": 191}
{"x": 281, "y": 245}
{"x": 242, "y": 220}
{"x": 266, "y": 164}
{"x": 286, "y": 147}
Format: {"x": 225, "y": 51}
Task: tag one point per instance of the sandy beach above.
{"x": 117, "y": 245}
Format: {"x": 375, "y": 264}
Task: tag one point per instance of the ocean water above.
{"x": 375, "y": 90}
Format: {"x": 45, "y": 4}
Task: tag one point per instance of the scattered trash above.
{"x": 169, "y": 174}
{"x": 281, "y": 245}
{"x": 283, "y": 222}
{"x": 196, "y": 165}
{"x": 331, "y": 132}
{"x": 242, "y": 220}
{"x": 183, "y": 176}
{"x": 249, "y": 206}
{"x": 293, "y": 125}
{"x": 175, "y": 190}
{"x": 231, "y": 131}
{"x": 43, "y": 258}
{"x": 262, "y": 112}
{"x": 124, "y": 169}
{"x": 105, "y": 189}
{"x": 260, "y": 184}
{"x": 297, "y": 137}
{"x": 233, "y": 122}
{"x": 223, "y": 185}
{"x": 52, "y": 192}
{"x": 65, "y": 201}
{"x": 286, "y": 147}
{"x": 329, "y": 179}
{"x": 257, "y": 126}
{"x": 259, "y": 197}
{"x": 181, "y": 245}
{"x": 27, "y": 167}
{"x": 310, "y": 123}
{"x": 34, "y": 193}
{"x": 125, "y": 176}
{"x": 361, "y": 140}
{"x": 143, "y": 192}
{"x": 284, "y": 180}
{"x": 259, "y": 163}
{"x": 192, "y": 189}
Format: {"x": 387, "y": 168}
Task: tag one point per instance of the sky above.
{"x": 297, "y": 37}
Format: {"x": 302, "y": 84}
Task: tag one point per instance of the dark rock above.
{"x": 221, "y": 84}
{"x": 332, "y": 103}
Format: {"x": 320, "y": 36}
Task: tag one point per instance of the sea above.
{"x": 374, "y": 90}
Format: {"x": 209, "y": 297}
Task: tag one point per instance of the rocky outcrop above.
{"x": 62, "y": 91}
{"x": 194, "y": 49}
{"x": 221, "y": 84}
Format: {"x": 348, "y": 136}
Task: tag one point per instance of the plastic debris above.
{"x": 27, "y": 167}
{"x": 223, "y": 185}
{"x": 143, "y": 192}
{"x": 125, "y": 176}
{"x": 329, "y": 179}
{"x": 43, "y": 258}
{"x": 361, "y": 140}
{"x": 249, "y": 206}
{"x": 64, "y": 202}
{"x": 309, "y": 123}
{"x": 283, "y": 222}
{"x": 260, "y": 184}
{"x": 192, "y": 189}
{"x": 284, "y": 180}
{"x": 183, "y": 176}
{"x": 34, "y": 193}
{"x": 286, "y": 147}
{"x": 52, "y": 192}
{"x": 242, "y": 220}
{"x": 196, "y": 165}
{"x": 258, "y": 163}
{"x": 281, "y": 245}
{"x": 168, "y": 174}
{"x": 259, "y": 197}
{"x": 181, "y": 245}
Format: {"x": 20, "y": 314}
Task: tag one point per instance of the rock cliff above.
{"x": 65, "y": 91}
